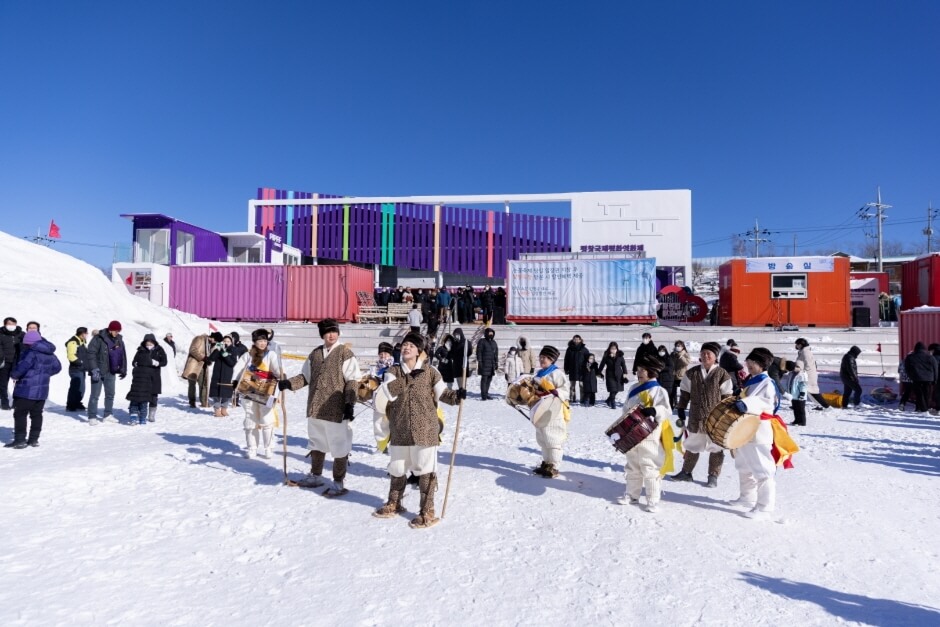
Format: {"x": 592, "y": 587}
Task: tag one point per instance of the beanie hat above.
{"x": 549, "y": 351}
{"x": 761, "y": 356}
{"x": 712, "y": 347}
{"x": 385, "y": 347}
{"x": 328, "y": 325}
{"x": 415, "y": 339}
{"x": 114, "y": 325}
{"x": 216, "y": 336}
{"x": 31, "y": 337}
{"x": 652, "y": 364}
{"x": 259, "y": 334}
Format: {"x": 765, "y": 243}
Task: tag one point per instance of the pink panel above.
{"x": 229, "y": 292}
{"x": 917, "y": 326}
{"x": 318, "y": 292}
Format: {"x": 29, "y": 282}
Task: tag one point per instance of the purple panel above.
{"x": 218, "y": 292}
{"x": 207, "y": 245}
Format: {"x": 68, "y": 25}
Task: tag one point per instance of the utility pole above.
{"x": 755, "y": 236}
{"x": 879, "y": 215}
{"x": 931, "y": 214}
{"x": 794, "y": 244}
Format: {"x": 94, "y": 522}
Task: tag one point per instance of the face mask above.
{"x": 678, "y": 348}
{"x": 646, "y": 340}
{"x": 11, "y": 327}
{"x": 149, "y": 347}
{"x": 662, "y": 353}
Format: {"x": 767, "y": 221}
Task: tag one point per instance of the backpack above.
{"x": 115, "y": 355}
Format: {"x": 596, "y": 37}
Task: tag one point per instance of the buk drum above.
{"x": 630, "y": 430}
{"x": 729, "y": 427}
{"x": 523, "y": 393}
{"x": 367, "y": 387}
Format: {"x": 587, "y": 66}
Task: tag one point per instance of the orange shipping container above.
{"x": 318, "y": 292}
{"x": 757, "y": 299}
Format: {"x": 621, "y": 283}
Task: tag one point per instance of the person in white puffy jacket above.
{"x": 550, "y": 415}
{"x": 644, "y": 461}
{"x": 264, "y": 363}
{"x": 513, "y": 368}
{"x": 754, "y": 460}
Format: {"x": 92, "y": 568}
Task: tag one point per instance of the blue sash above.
{"x": 757, "y": 378}
{"x": 653, "y": 383}
{"x": 545, "y": 371}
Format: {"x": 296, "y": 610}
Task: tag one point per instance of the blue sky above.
{"x": 790, "y": 113}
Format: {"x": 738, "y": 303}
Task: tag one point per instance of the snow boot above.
{"x": 712, "y": 482}
{"x": 217, "y": 412}
{"x": 15, "y": 444}
{"x": 224, "y": 409}
{"x": 396, "y": 492}
{"x": 152, "y": 415}
{"x": 315, "y": 478}
{"x": 426, "y": 518}
{"x": 339, "y": 475}
{"x": 540, "y": 469}
{"x": 681, "y": 476}
{"x": 549, "y": 471}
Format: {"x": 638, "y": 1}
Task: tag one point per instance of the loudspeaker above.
{"x": 861, "y": 317}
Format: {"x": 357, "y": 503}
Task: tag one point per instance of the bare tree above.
{"x": 698, "y": 271}
{"x": 738, "y": 246}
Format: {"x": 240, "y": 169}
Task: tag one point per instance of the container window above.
{"x": 185, "y": 247}
{"x": 153, "y": 246}
{"x": 788, "y": 285}
{"x": 246, "y": 254}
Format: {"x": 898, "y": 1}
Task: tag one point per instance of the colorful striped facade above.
{"x": 420, "y": 237}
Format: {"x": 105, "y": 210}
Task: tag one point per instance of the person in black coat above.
{"x": 589, "y": 382}
{"x": 488, "y": 304}
{"x": 935, "y": 351}
{"x": 729, "y": 362}
{"x": 11, "y": 342}
{"x": 921, "y": 368}
{"x": 667, "y": 376}
{"x": 575, "y": 365}
{"x": 613, "y": 368}
{"x": 451, "y": 355}
{"x": 645, "y": 349}
{"x": 149, "y": 358}
{"x": 848, "y": 372}
{"x": 487, "y": 361}
{"x": 221, "y": 385}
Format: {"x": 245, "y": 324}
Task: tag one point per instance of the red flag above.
{"x": 130, "y": 279}
{"x": 879, "y": 347}
{"x": 54, "y": 230}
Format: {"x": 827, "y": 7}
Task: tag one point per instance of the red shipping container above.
{"x": 745, "y": 298}
{"x": 920, "y": 282}
{"x": 918, "y": 325}
{"x": 883, "y": 281}
{"x": 229, "y": 291}
{"x": 318, "y": 292}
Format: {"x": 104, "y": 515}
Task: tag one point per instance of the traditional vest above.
{"x": 705, "y": 393}
{"x": 327, "y": 398}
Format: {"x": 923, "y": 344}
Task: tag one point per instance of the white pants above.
{"x": 257, "y": 416}
{"x": 334, "y": 438}
{"x": 642, "y": 468}
{"x": 756, "y": 467}
{"x": 550, "y": 438}
{"x": 420, "y": 460}
{"x": 700, "y": 443}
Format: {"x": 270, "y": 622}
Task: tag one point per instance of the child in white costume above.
{"x": 646, "y": 459}
{"x": 550, "y": 414}
{"x": 259, "y": 418}
{"x": 754, "y": 460}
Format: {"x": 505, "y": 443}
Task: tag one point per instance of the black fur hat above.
{"x": 549, "y": 351}
{"x": 416, "y": 339}
{"x": 712, "y": 347}
{"x": 761, "y": 356}
{"x": 328, "y": 325}
{"x": 385, "y": 347}
{"x": 652, "y": 364}
{"x": 259, "y": 334}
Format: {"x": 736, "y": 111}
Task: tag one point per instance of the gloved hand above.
{"x": 283, "y": 384}
{"x": 649, "y": 412}
{"x": 681, "y": 421}
{"x": 461, "y": 393}
{"x": 156, "y": 363}
{"x": 348, "y": 412}
{"x": 122, "y": 375}
{"x": 96, "y": 376}
{"x": 740, "y": 406}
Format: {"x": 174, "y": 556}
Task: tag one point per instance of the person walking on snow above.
{"x": 848, "y": 372}
{"x": 407, "y": 401}
{"x": 32, "y": 373}
{"x": 76, "y": 352}
{"x": 222, "y": 381}
{"x": 614, "y": 370}
{"x": 645, "y": 460}
{"x": 414, "y": 318}
{"x": 146, "y": 382}
{"x": 265, "y": 363}
{"x": 921, "y": 367}
{"x": 575, "y": 365}
{"x": 702, "y": 388}
{"x": 11, "y": 342}
{"x": 589, "y": 382}
{"x": 107, "y": 360}
{"x": 487, "y": 361}
{"x": 645, "y": 348}
{"x": 680, "y": 361}
{"x": 513, "y": 368}
{"x": 806, "y": 362}
{"x": 331, "y": 372}
{"x": 550, "y": 414}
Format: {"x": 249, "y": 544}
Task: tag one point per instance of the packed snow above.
{"x": 169, "y": 523}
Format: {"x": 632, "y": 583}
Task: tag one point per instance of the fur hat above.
{"x": 416, "y": 339}
{"x": 259, "y": 334}
{"x": 712, "y": 347}
{"x": 385, "y": 347}
{"x": 114, "y": 325}
{"x": 328, "y": 325}
{"x": 216, "y": 336}
{"x": 761, "y": 356}
{"x": 549, "y": 351}
{"x": 652, "y": 364}
{"x": 31, "y": 337}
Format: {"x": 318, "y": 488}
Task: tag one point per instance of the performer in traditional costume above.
{"x": 332, "y": 373}
{"x": 263, "y": 364}
{"x": 550, "y": 415}
{"x": 407, "y": 402}
{"x": 646, "y": 460}
{"x": 701, "y": 389}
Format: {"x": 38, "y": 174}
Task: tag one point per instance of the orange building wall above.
{"x": 744, "y": 298}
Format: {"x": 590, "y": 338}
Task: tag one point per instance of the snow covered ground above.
{"x": 170, "y": 524}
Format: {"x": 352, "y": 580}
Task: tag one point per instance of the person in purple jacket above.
{"x": 32, "y": 373}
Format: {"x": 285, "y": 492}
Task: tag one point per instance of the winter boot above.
{"x": 681, "y": 476}
{"x": 15, "y": 444}
{"x": 426, "y": 518}
{"x": 339, "y": 475}
{"x": 540, "y": 469}
{"x": 217, "y": 412}
{"x": 712, "y": 482}
{"x": 152, "y": 415}
{"x": 224, "y": 409}
{"x": 550, "y": 471}
{"x": 396, "y": 492}
{"x": 315, "y": 478}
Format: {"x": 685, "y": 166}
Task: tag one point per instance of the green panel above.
{"x": 345, "y": 232}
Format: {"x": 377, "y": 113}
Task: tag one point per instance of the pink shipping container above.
{"x": 918, "y": 325}
{"x": 318, "y": 292}
{"x": 229, "y": 291}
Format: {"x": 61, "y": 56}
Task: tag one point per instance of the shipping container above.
{"x": 920, "y": 282}
{"x": 883, "y": 282}
{"x": 918, "y": 325}
{"x": 802, "y": 291}
{"x": 318, "y": 292}
{"x": 253, "y": 292}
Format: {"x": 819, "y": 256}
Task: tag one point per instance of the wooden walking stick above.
{"x": 287, "y": 481}
{"x": 453, "y": 452}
